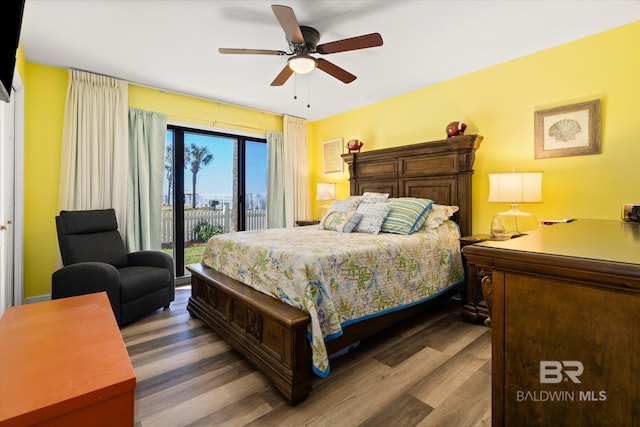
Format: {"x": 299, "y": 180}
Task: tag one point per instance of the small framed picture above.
{"x": 331, "y": 160}
{"x": 570, "y": 130}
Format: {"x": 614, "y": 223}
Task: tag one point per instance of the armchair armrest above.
{"x": 86, "y": 278}
{"x": 152, "y": 259}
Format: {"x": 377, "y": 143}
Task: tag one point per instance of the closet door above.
{"x": 10, "y": 186}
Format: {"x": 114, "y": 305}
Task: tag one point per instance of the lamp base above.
{"x": 512, "y": 223}
{"x": 324, "y": 210}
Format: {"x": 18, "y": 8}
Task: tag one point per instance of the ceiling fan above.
{"x": 303, "y": 41}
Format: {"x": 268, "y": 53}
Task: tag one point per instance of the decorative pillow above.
{"x": 406, "y": 215}
{"x": 439, "y": 214}
{"x": 343, "y": 222}
{"x": 346, "y": 205}
{"x": 372, "y": 216}
{"x": 369, "y": 197}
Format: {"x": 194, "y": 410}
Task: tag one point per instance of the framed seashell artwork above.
{"x": 570, "y": 130}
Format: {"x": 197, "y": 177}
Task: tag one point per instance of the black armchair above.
{"x": 95, "y": 260}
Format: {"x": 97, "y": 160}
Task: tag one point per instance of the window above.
{"x": 220, "y": 183}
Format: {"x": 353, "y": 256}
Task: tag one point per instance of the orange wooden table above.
{"x": 64, "y": 363}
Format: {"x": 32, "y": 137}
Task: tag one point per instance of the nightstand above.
{"x": 474, "y": 308}
{"x": 303, "y": 222}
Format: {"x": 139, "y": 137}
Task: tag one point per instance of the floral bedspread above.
{"x": 340, "y": 278}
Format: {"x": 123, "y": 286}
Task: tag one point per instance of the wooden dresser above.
{"x": 64, "y": 363}
{"x": 565, "y": 311}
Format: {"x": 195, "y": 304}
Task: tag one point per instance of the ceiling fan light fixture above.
{"x": 302, "y": 64}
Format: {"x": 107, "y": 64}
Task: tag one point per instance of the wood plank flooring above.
{"x": 432, "y": 370}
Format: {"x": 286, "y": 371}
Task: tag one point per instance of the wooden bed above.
{"x": 273, "y": 335}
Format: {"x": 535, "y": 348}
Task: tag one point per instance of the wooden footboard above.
{"x": 270, "y": 334}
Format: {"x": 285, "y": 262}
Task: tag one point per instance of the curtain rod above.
{"x": 181, "y": 93}
{"x": 218, "y": 122}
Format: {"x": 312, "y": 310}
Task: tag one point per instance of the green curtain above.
{"x": 147, "y": 135}
{"x": 276, "y": 215}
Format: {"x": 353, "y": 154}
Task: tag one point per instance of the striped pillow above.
{"x": 406, "y": 215}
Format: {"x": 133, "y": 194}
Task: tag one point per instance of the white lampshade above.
{"x": 326, "y": 191}
{"x": 515, "y": 187}
{"x": 302, "y": 64}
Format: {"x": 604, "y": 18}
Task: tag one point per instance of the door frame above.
{"x": 12, "y": 294}
{"x": 178, "y": 193}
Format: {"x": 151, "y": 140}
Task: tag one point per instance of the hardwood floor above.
{"x": 432, "y": 370}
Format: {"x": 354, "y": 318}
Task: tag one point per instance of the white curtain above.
{"x": 94, "y": 159}
{"x": 275, "y": 180}
{"x": 147, "y": 134}
{"x": 296, "y": 170}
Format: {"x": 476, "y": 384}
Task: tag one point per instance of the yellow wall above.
{"x": 180, "y": 108}
{"x": 20, "y": 62}
{"x": 499, "y": 103}
{"x": 45, "y": 93}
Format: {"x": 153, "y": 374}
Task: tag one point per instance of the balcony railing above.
{"x": 255, "y": 220}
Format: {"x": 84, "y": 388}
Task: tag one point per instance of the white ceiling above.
{"x": 173, "y": 44}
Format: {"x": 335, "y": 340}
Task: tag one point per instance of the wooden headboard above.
{"x": 436, "y": 170}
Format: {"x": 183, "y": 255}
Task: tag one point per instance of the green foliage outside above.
{"x": 192, "y": 255}
{"x": 192, "y": 250}
{"x": 203, "y": 230}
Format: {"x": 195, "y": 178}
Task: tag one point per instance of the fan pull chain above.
{"x": 295, "y": 86}
{"x": 308, "y": 93}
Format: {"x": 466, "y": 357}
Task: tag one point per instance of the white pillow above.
{"x": 345, "y": 205}
{"x": 369, "y": 197}
{"x": 372, "y": 216}
{"x": 439, "y": 214}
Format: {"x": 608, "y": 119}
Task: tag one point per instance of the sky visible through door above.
{"x": 214, "y": 181}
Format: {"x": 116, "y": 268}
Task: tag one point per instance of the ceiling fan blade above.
{"x": 335, "y": 71}
{"x": 289, "y": 23}
{"x": 283, "y": 76}
{"x": 251, "y": 51}
{"x": 353, "y": 43}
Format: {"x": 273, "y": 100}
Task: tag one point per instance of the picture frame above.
{"x": 331, "y": 159}
{"x": 569, "y": 130}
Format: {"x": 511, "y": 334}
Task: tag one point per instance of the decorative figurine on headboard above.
{"x": 455, "y": 129}
{"x": 354, "y": 145}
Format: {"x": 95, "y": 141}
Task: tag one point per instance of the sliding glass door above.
{"x": 214, "y": 183}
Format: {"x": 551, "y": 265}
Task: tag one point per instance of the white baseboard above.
{"x": 39, "y": 298}
{"x": 180, "y": 281}
{"x": 184, "y": 280}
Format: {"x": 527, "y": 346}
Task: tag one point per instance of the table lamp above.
{"x": 514, "y": 187}
{"x": 325, "y": 191}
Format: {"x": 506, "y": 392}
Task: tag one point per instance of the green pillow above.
{"x": 340, "y": 221}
